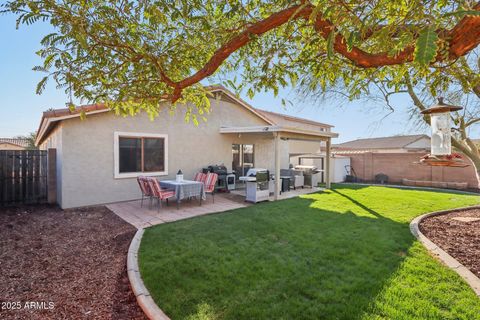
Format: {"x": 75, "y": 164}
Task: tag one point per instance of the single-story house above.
{"x": 99, "y": 158}
{"x": 13, "y": 144}
{"x": 398, "y": 157}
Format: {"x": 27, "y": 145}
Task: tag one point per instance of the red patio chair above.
{"x": 159, "y": 193}
{"x": 144, "y": 188}
{"x": 200, "y": 177}
{"x": 210, "y": 182}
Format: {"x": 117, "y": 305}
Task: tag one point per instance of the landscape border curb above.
{"x": 144, "y": 299}
{"x": 472, "y": 280}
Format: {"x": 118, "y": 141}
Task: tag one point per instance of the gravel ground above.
{"x": 71, "y": 264}
{"x": 460, "y": 239}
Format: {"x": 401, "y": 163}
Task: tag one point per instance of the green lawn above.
{"x": 346, "y": 253}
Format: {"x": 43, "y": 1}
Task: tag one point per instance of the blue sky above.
{"x": 21, "y": 108}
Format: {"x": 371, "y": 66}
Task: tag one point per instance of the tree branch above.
{"x": 465, "y": 36}
{"x": 473, "y": 121}
{"x": 461, "y": 43}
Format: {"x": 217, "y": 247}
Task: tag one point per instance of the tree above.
{"x": 31, "y": 137}
{"x": 133, "y": 55}
{"x": 459, "y": 84}
{"x": 464, "y": 90}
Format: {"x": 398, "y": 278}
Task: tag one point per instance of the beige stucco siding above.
{"x": 88, "y": 150}
{"x": 303, "y": 147}
{"x": 9, "y": 146}
{"x": 264, "y": 149}
{"x": 54, "y": 141}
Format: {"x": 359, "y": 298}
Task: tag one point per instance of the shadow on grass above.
{"x": 357, "y": 203}
{"x": 354, "y": 186}
{"x": 287, "y": 259}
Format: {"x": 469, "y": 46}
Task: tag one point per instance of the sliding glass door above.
{"x": 243, "y": 158}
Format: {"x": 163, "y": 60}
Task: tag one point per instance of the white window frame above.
{"x": 116, "y": 154}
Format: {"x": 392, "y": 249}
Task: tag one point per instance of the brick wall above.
{"x": 401, "y": 165}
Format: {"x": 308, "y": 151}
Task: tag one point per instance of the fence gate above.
{"x": 23, "y": 176}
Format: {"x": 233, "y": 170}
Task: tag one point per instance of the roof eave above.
{"x": 274, "y": 128}
{"x": 297, "y": 119}
{"x": 46, "y": 122}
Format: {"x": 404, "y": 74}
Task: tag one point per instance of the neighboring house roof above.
{"x": 395, "y": 142}
{"x": 52, "y": 117}
{"x": 291, "y": 121}
{"x": 17, "y": 142}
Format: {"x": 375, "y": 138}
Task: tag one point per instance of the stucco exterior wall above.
{"x": 9, "y": 146}
{"x": 88, "y": 157}
{"x": 303, "y": 147}
{"x": 54, "y": 141}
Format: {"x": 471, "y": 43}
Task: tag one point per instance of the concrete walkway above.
{"x": 143, "y": 217}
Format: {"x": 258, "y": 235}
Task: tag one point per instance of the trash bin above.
{"x": 285, "y": 184}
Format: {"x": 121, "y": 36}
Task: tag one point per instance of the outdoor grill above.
{"x": 226, "y": 180}
{"x": 221, "y": 170}
{"x": 257, "y": 174}
{"x": 257, "y": 181}
{"x": 310, "y": 173}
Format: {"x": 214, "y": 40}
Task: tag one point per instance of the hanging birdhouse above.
{"x": 441, "y": 138}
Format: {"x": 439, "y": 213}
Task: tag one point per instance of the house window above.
{"x": 140, "y": 154}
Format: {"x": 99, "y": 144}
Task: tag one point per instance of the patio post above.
{"x": 277, "y": 166}
{"x": 327, "y": 163}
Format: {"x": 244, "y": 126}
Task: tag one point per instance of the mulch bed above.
{"x": 460, "y": 239}
{"x": 75, "y": 259}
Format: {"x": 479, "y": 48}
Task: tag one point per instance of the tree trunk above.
{"x": 473, "y": 155}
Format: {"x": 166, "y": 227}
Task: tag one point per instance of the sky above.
{"x": 21, "y": 109}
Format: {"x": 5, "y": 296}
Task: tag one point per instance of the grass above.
{"x": 346, "y": 253}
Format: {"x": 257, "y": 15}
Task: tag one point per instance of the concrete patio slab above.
{"x": 143, "y": 217}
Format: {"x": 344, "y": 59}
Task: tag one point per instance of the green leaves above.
{"x": 463, "y": 13}
{"x": 426, "y": 46}
{"x": 315, "y": 12}
{"x": 41, "y": 85}
{"x": 330, "y": 42}
{"x": 107, "y": 50}
{"x": 352, "y": 40}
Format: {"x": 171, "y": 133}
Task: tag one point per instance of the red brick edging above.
{"x": 472, "y": 280}
{"x": 144, "y": 299}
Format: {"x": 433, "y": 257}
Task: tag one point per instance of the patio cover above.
{"x": 288, "y": 133}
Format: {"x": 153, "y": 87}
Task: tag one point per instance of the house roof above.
{"x": 395, "y": 142}
{"x": 17, "y": 142}
{"x": 287, "y": 120}
{"x": 51, "y": 117}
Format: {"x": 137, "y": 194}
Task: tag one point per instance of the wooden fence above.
{"x": 23, "y": 176}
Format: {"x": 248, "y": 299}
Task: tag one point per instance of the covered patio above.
{"x": 272, "y": 140}
{"x": 279, "y": 134}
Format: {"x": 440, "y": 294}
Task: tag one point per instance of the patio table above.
{"x": 185, "y": 189}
